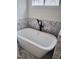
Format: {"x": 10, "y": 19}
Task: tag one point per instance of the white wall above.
{"x": 22, "y": 9}
{"x": 44, "y": 12}
{"x": 25, "y": 9}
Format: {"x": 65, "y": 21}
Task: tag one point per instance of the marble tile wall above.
{"x": 50, "y": 26}
{"x": 21, "y": 23}
{"x": 32, "y": 23}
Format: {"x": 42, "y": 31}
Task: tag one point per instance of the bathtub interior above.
{"x": 38, "y": 37}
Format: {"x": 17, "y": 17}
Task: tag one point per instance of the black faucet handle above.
{"x": 40, "y": 24}
{"x": 38, "y": 21}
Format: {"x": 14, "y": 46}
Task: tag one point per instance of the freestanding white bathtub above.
{"x": 36, "y": 42}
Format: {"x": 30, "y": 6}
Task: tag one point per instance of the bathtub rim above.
{"x": 38, "y": 45}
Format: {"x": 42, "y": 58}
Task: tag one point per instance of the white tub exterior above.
{"x": 36, "y": 42}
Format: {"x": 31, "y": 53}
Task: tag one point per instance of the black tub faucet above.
{"x": 40, "y": 24}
